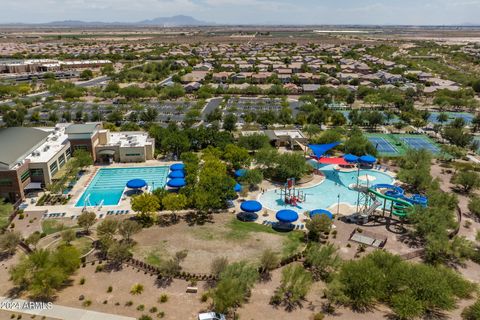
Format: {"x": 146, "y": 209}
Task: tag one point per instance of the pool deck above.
{"x": 82, "y": 185}
{"x": 268, "y": 214}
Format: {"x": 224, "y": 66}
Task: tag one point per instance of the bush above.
{"x": 318, "y": 316}
{"x": 163, "y": 298}
{"x": 472, "y": 312}
{"x": 99, "y": 268}
{"x": 161, "y": 315}
{"x": 87, "y": 303}
{"x": 145, "y": 317}
{"x": 136, "y": 289}
{"x": 82, "y": 281}
{"x": 140, "y": 307}
{"x": 153, "y": 309}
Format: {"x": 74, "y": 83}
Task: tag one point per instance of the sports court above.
{"x": 394, "y": 145}
{"x": 383, "y": 145}
{"x": 418, "y": 143}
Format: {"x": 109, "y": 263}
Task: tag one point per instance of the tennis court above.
{"x": 382, "y": 145}
{"x": 418, "y": 143}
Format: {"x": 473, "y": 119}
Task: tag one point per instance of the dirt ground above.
{"x": 206, "y": 242}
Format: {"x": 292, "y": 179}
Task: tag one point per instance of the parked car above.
{"x": 211, "y": 316}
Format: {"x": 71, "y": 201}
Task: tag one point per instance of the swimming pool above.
{"x": 327, "y": 193}
{"x": 109, "y": 183}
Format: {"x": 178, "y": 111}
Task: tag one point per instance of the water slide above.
{"x": 400, "y": 207}
{"x": 397, "y": 192}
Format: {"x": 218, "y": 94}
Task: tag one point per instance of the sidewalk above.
{"x": 57, "y": 311}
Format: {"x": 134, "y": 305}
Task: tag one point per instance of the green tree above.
{"x": 269, "y": 261}
{"x": 86, "y": 74}
{"x": 230, "y": 122}
{"x": 9, "y": 241}
{"x": 6, "y": 209}
{"x": 252, "y": 178}
{"x": 468, "y": 180}
{"x": 43, "y": 272}
{"x": 118, "y": 253}
{"x": 174, "y": 202}
{"x": 127, "y": 228}
{"x": 323, "y": 260}
{"x": 68, "y": 236}
{"x": 86, "y": 220}
{"x": 236, "y": 156}
{"x": 318, "y": 225}
{"x": 33, "y": 239}
{"x": 234, "y": 286}
{"x": 82, "y": 158}
{"x": 145, "y": 203}
{"x": 294, "y": 286}
{"x": 474, "y": 206}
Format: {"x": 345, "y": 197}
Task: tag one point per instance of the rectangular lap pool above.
{"x": 109, "y": 183}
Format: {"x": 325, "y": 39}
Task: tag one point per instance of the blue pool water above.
{"x": 109, "y": 183}
{"x": 326, "y": 194}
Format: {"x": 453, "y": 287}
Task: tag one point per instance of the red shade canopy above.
{"x": 339, "y": 161}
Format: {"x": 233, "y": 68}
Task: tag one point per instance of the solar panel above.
{"x": 382, "y": 145}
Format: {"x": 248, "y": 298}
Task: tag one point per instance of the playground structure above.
{"x": 290, "y": 195}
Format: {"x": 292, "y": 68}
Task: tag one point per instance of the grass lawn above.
{"x": 82, "y": 244}
{"x": 52, "y": 226}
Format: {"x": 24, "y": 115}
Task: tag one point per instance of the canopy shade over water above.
{"x": 339, "y": 161}
{"x": 176, "y": 183}
{"x": 238, "y": 187}
{"x": 368, "y": 159}
{"x": 320, "y": 149}
{"x": 176, "y": 174}
{"x": 287, "y": 215}
{"x": 136, "y": 184}
{"x": 251, "y": 206}
{"x": 321, "y": 212}
{"x": 350, "y": 158}
{"x": 240, "y": 173}
{"x": 177, "y": 167}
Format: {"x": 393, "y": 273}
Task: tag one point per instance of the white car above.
{"x": 211, "y": 316}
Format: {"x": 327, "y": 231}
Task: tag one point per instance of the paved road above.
{"x": 211, "y": 105}
{"x": 57, "y": 311}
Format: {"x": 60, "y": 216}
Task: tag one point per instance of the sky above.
{"x": 406, "y": 12}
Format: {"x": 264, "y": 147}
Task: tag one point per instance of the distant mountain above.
{"x": 175, "y": 21}
{"x": 179, "y": 20}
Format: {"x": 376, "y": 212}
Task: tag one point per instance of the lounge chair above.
{"x": 100, "y": 216}
{"x": 127, "y": 211}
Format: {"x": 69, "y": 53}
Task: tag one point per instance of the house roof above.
{"x": 82, "y": 128}
{"x": 18, "y": 142}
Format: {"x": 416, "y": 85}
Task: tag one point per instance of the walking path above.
{"x": 55, "y": 311}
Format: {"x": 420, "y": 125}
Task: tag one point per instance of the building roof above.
{"x": 18, "y": 142}
{"x": 82, "y": 128}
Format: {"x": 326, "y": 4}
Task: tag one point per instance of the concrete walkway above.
{"x": 56, "y": 311}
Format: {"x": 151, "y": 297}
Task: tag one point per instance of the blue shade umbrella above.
{"x": 287, "y": 216}
{"x": 176, "y": 174}
{"x": 177, "y": 167}
{"x": 176, "y": 183}
{"x": 321, "y": 212}
{"x": 350, "y": 158}
{"x": 136, "y": 184}
{"x": 368, "y": 159}
{"x": 238, "y": 187}
{"x": 251, "y": 206}
{"x": 240, "y": 173}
